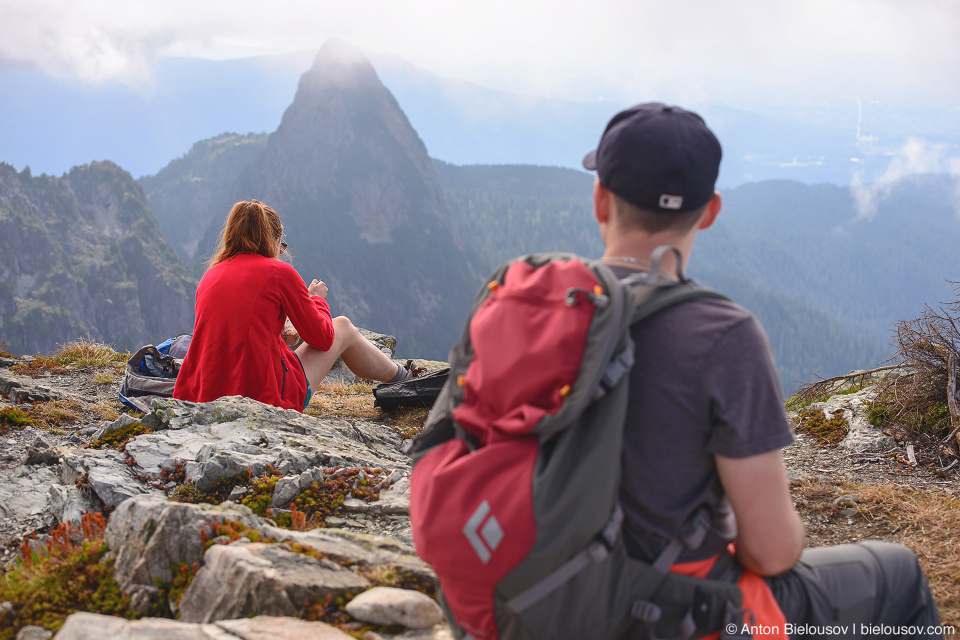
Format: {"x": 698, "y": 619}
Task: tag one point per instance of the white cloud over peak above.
{"x": 541, "y": 46}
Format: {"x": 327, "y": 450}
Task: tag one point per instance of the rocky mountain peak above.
{"x": 338, "y": 64}
{"x": 356, "y": 191}
{"x": 346, "y": 144}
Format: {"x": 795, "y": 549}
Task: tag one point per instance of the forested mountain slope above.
{"x": 82, "y": 255}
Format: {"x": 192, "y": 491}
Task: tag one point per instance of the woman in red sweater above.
{"x": 243, "y": 301}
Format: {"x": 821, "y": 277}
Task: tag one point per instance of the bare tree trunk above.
{"x": 953, "y": 399}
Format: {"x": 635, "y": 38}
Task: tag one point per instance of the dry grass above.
{"x": 928, "y": 523}
{"x": 356, "y": 401}
{"x": 81, "y": 354}
{"x": 104, "y": 377}
{"x": 53, "y": 415}
{"x": 86, "y": 354}
{"x": 343, "y": 401}
{"x": 408, "y": 421}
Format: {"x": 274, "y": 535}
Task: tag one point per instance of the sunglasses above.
{"x": 283, "y": 245}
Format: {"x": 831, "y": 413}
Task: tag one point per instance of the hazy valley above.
{"x": 404, "y": 239}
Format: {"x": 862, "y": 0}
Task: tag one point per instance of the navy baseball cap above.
{"x": 658, "y": 157}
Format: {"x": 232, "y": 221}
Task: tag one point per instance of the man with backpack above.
{"x": 604, "y": 459}
{"x": 705, "y": 421}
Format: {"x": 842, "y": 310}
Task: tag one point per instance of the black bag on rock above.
{"x": 412, "y": 392}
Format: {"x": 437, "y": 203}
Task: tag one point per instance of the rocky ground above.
{"x": 869, "y": 485}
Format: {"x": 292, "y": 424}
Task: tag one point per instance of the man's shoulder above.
{"x": 706, "y": 313}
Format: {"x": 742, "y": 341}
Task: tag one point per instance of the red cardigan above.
{"x": 236, "y": 348}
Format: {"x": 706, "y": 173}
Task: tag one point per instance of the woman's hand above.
{"x": 317, "y": 288}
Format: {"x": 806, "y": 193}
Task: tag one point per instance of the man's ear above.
{"x": 711, "y": 211}
{"x": 601, "y": 202}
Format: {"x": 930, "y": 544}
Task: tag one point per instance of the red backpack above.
{"x": 514, "y": 490}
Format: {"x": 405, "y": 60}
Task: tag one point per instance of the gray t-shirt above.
{"x": 704, "y": 384}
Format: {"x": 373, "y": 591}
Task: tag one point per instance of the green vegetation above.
{"x": 70, "y": 258}
{"x": 70, "y": 573}
{"x": 118, "y": 438}
{"x": 14, "y": 417}
{"x": 826, "y": 431}
{"x": 307, "y": 510}
{"x": 170, "y": 593}
{"x": 880, "y": 413}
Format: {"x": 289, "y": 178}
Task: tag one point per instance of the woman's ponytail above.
{"x": 251, "y": 227}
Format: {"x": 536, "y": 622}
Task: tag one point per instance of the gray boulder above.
{"x": 105, "y": 472}
{"x": 221, "y": 439}
{"x": 240, "y": 580}
{"x": 363, "y": 550}
{"x": 125, "y": 420}
{"x": 149, "y": 536}
{"x": 388, "y": 605}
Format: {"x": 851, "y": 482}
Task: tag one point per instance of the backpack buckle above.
{"x": 741, "y": 620}
{"x": 597, "y": 551}
{"x": 645, "y": 611}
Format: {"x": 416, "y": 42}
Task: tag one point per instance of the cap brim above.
{"x": 590, "y": 161}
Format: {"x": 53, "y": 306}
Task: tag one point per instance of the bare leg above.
{"x": 359, "y": 354}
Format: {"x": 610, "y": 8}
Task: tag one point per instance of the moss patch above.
{"x": 924, "y": 416}
{"x": 799, "y": 400}
{"x": 307, "y": 510}
{"x": 14, "y": 418}
{"x": 118, "y": 438}
{"x": 815, "y": 423}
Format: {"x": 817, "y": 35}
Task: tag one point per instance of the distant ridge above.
{"x": 194, "y": 191}
{"x": 81, "y": 255}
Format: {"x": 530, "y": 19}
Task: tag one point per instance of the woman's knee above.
{"x": 345, "y": 330}
{"x": 342, "y": 323}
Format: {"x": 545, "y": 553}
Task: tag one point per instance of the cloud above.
{"x": 559, "y": 47}
{"x": 915, "y": 156}
{"x": 93, "y": 42}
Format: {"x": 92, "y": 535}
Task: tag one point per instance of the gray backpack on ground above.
{"x": 152, "y": 372}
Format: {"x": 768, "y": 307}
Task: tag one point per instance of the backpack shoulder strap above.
{"x": 652, "y": 299}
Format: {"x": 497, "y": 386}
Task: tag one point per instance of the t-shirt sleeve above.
{"x": 746, "y": 400}
{"x": 310, "y": 315}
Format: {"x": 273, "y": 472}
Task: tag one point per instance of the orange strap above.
{"x": 768, "y": 620}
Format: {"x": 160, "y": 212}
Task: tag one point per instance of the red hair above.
{"x": 251, "y": 227}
